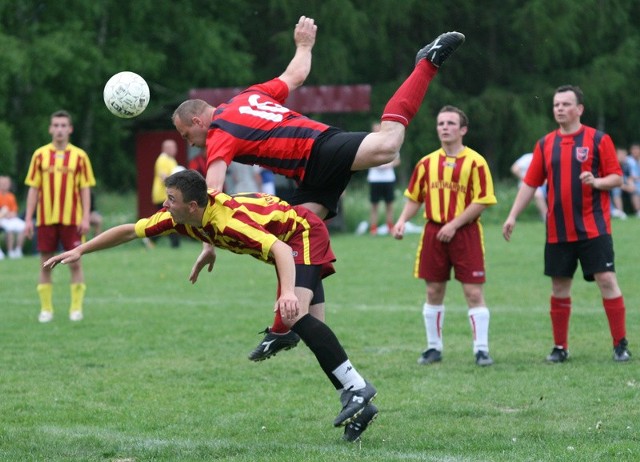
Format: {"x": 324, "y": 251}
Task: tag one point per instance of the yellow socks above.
{"x": 45, "y": 291}
{"x": 77, "y": 296}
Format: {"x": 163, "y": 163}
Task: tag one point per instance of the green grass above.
{"x": 157, "y": 371}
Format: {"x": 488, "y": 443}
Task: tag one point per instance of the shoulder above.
{"x": 473, "y": 154}
{"x": 275, "y": 87}
{"x": 435, "y": 154}
{"x": 78, "y": 151}
{"x": 44, "y": 148}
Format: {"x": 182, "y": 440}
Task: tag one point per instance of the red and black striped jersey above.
{"x": 256, "y": 128}
{"x": 576, "y": 211}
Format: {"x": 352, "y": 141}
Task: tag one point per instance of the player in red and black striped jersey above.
{"x": 293, "y": 239}
{"x": 580, "y": 166}
{"x": 256, "y": 128}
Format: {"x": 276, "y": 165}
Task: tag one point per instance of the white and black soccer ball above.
{"x": 126, "y": 94}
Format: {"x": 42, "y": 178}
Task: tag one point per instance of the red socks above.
{"x": 615, "y": 310}
{"x": 406, "y": 101}
{"x": 560, "y": 313}
{"x": 278, "y": 326}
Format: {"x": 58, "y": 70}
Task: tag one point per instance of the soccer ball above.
{"x": 126, "y": 94}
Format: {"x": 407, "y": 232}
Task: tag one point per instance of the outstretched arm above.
{"x": 408, "y": 212}
{"x": 298, "y": 69}
{"x": 525, "y": 194}
{"x": 110, "y": 238}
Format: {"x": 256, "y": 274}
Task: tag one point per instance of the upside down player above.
{"x": 255, "y": 128}
{"x": 292, "y": 238}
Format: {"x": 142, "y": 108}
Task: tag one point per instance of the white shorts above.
{"x": 12, "y": 225}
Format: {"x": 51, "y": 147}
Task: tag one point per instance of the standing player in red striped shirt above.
{"x": 455, "y": 185}
{"x": 256, "y": 128}
{"x": 60, "y": 178}
{"x": 581, "y": 167}
{"x": 291, "y": 238}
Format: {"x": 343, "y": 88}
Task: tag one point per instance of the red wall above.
{"x": 148, "y": 147}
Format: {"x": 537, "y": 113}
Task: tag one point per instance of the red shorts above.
{"x": 465, "y": 253}
{"x": 312, "y": 246}
{"x": 51, "y": 236}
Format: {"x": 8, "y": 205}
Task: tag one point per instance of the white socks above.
{"x": 349, "y": 376}
{"x": 479, "y": 320}
{"x": 433, "y": 320}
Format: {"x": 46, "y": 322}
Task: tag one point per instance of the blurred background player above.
{"x": 627, "y": 188}
{"x": 60, "y": 179}
{"x": 519, "y": 170}
{"x": 199, "y": 163}
{"x": 268, "y": 181}
{"x": 12, "y": 224}
{"x": 634, "y": 162}
{"x": 164, "y": 166}
{"x": 243, "y": 178}
{"x": 455, "y": 185}
{"x": 382, "y": 182}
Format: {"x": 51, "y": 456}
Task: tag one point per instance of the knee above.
{"x": 607, "y": 282}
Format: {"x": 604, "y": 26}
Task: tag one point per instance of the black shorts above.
{"x": 381, "y": 192}
{"x": 595, "y": 256}
{"x": 329, "y": 169}
{"x": 310, "y": 277}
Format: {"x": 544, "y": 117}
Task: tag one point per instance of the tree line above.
{"x": 60, "y": 54}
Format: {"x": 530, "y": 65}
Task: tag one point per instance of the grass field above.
{"x": 157, "y": 371}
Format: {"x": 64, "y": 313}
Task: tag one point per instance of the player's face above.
{"x": 60, "y": 129}
{"x": 176, "y": 206}
{"x": 194, "y": 134}
{"x": 449, "y": 129}
{"x": 566, "y": 109}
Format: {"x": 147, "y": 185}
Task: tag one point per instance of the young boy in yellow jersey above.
{"x": 60, "y": 179}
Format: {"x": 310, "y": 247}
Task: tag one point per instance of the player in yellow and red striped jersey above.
{"x": 60, "y": 178}
{"x": 290, "y": 237}
{"x": 455, "y": 185}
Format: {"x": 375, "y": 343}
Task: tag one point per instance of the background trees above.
{"x": 59, "y": 55}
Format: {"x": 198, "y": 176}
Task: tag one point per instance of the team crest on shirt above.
{"x": 582, "y": 153}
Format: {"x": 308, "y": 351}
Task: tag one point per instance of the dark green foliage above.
{"x": 60, "y": 54}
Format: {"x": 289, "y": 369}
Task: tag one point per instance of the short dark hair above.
{"x": 189, "y": 109}
{"x": 62, "y": 113}
{"x": 191, "y": 184}
{"x": 575, "y": 89}
{"x": 464, "y": 120}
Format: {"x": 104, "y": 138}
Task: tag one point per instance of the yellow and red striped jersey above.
{"x": 59, "y": 177}
{"x": 447, "y": 185}
{"x": 250, "y": 224}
